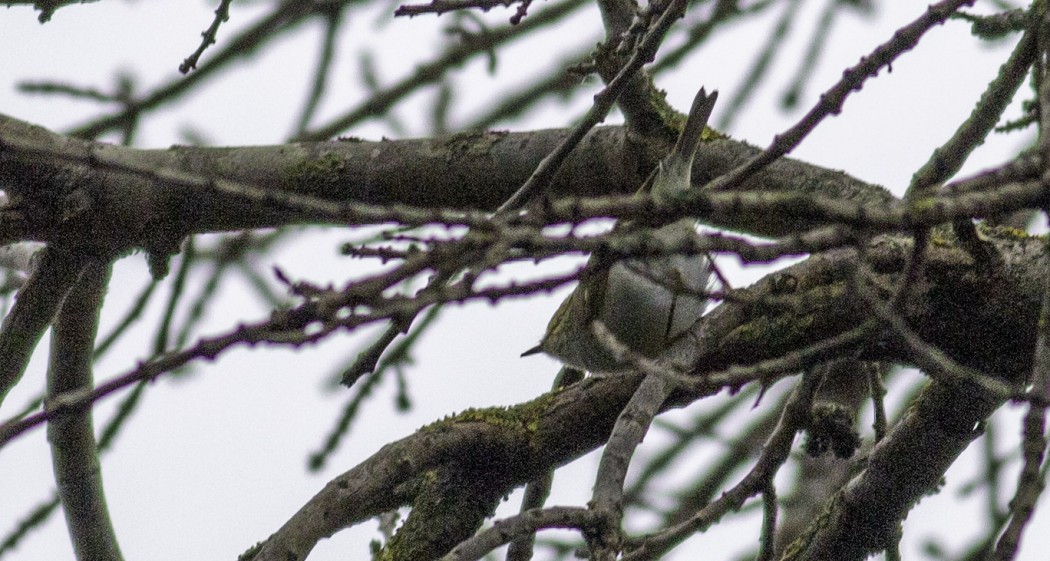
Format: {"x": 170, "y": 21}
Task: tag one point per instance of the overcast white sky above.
{"x": 215, "y": 461}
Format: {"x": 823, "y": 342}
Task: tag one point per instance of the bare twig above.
{"x": 527, "y": 523}
{"x": 333, "y": 24}
{"x": 438, "y": 7}
{"x": 222, "y": 15}
{"x": 832, "y": 100}
{"x": 603, "y": 102}
{"x": 284, "y": 15}
{"x": 427, "y": 73}
{"x": 774, "y": 454}
{"x": 950, "y": 157}
{"x": 759, "y": 69}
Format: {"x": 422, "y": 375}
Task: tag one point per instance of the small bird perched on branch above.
{"x": 646, "y": 303}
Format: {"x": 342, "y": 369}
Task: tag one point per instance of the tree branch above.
{"x": 35, "y": 307}
{"x": 906, "y": 465}
{"x": 78, "y": 475}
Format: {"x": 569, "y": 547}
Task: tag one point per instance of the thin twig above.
{"x": 759, "y": 69}
{"x": 285, "y": 15}
{"x": 506, "y": 530}
{"x": 222, "y": 15}
{"x": 950, "y": 157}
{"x": 832, "y": 100}
{"x": 774, "y": 454}
{"x": 429, "y": 72}
{"x": 603, "y": 102}
{"x": 333, "y": 24}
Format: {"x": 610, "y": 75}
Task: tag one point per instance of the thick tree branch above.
{"x": 520, "y": 443}
{"x": 150, "y": 198}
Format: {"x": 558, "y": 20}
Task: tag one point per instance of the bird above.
{"x": 646, "y": 303}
